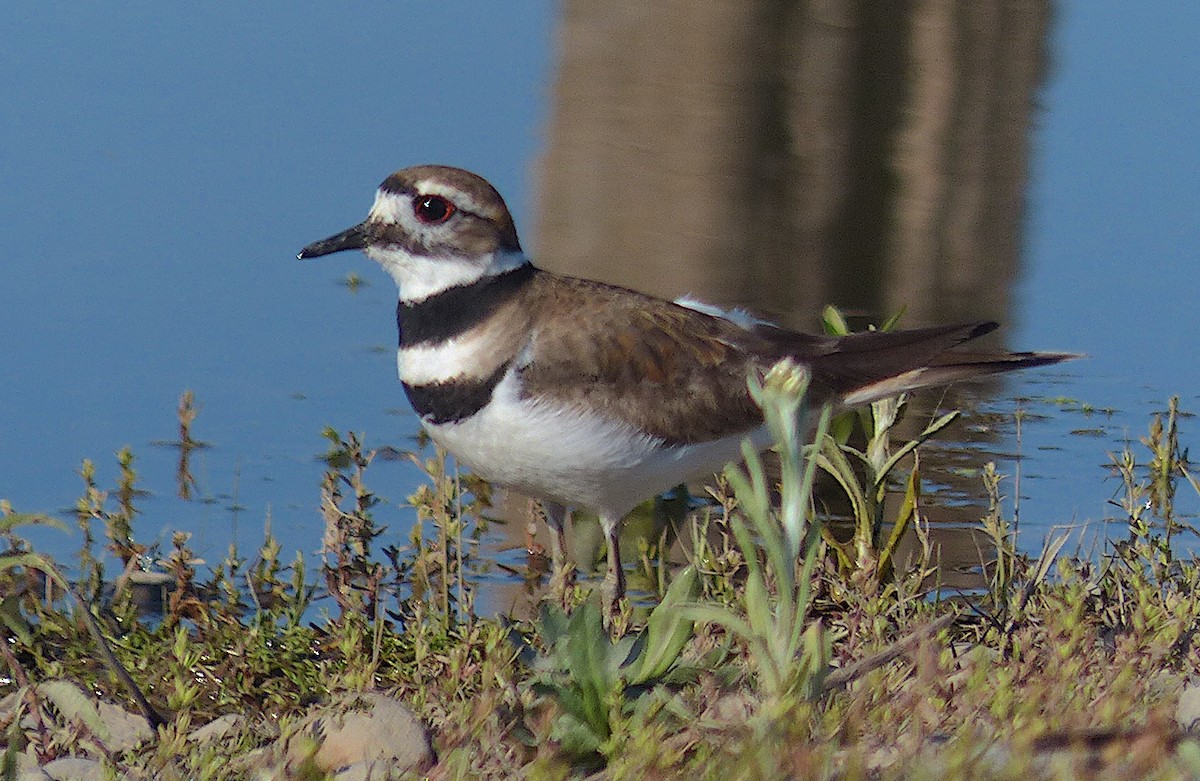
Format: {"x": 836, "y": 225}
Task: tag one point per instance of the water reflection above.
{"x": 790, "y": 155}
{"x": 786, "y": 155}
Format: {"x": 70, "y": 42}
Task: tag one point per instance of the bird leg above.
{"x": 614, "y": 579}
{"x": 563, "y": 575}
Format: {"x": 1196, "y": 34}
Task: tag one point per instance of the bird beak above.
{"x": 351, "y": 238}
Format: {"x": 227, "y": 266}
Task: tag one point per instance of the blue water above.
{"x": 1110, "y": 267}
{"x": 162, "y": 166}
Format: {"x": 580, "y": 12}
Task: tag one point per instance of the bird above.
{"x": 591, "y": 396}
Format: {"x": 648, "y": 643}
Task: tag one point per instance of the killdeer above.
{"x": 584, "y": 394}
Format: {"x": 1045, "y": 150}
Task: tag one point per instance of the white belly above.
{"x": 576, "y": 458}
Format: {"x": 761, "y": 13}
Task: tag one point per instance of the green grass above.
{"x": 776, "y": 651}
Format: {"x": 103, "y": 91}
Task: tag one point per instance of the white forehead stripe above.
{"x": 454, "y": 195}
{"x": 389, "y": 207}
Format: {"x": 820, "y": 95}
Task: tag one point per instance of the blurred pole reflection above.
{"x": 786, "y": 155}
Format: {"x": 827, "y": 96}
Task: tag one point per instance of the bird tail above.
{"x": 865, "y": 367}
{"x": 950, "y": 368}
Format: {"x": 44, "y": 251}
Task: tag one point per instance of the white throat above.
{"x": 419, "y": 276}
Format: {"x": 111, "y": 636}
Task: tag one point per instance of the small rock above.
{"x": 28, "y": 759}
{"x": 8, "y": 707}
{"x": 360, "y": 728}
{"x": 1187, "y": 712}
{"x": 8, "y": 704}
{"x": 1162, "y": 684}
{"x": 33, "y": 774}
{"x": 74, "y": 769}
{"x": 28, "y": 768}
{"x": 217, "y": 728}
{"x": 363, "y": 771}
{"x": 125, "y": 730}
{"x": 732, "y": 708}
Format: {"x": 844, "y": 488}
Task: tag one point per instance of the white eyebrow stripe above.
{"x": 452, "y": 194}
{"x": 392, "y": 207}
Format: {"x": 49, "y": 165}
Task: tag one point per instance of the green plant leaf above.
{"x": 553, "y": 624}
{"x": 13, "y": 520}
{"x": 842, "y": 426}
{"x": 588, "y": 649}
{"x": 752, "y": 502}
{"x": 668, "y": 628}
{"x": 566, "y": 697}
{"x": 904, "y": 517}
{"x": 74, "y": 705}
{"x": 834, "y": 322}
{"x": 34, "y": 561}
{"x": 1050, "y": 550}
{"x": 721, "y": 616}
{"x": 578, "y": 740}
{"x": 12, "y": 620}
{"x": 813, "y": 668}
{"x": 758, "y": 611}
{"x": 623, "y": 653}
{"x": 908, "y": 447}
{"x": 891, "y": 323}
{"x": 845, "y": 560}
{"x": 834, "y": 461}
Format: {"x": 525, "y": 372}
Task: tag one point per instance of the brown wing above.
{"x": 677, "y": 373}
{"x": 681, "y": 374}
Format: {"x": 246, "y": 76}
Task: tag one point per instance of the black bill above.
{"x": 351, "y": 238}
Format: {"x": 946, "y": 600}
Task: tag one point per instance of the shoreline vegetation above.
{"x": 773, "y": 647}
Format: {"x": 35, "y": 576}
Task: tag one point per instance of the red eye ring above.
{"x": 432, "y": 209}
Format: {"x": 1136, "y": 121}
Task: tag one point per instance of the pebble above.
{"x": 217, "y": 728}
{"x": 1187, "y": 712}
{"x": 357, "y": 737}
{"x": 125, "y": 730}
{"x": 74, "y": 769}
{"x": 362, "y": 733}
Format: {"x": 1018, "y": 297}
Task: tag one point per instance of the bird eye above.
{"x": 432, "y": 209}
